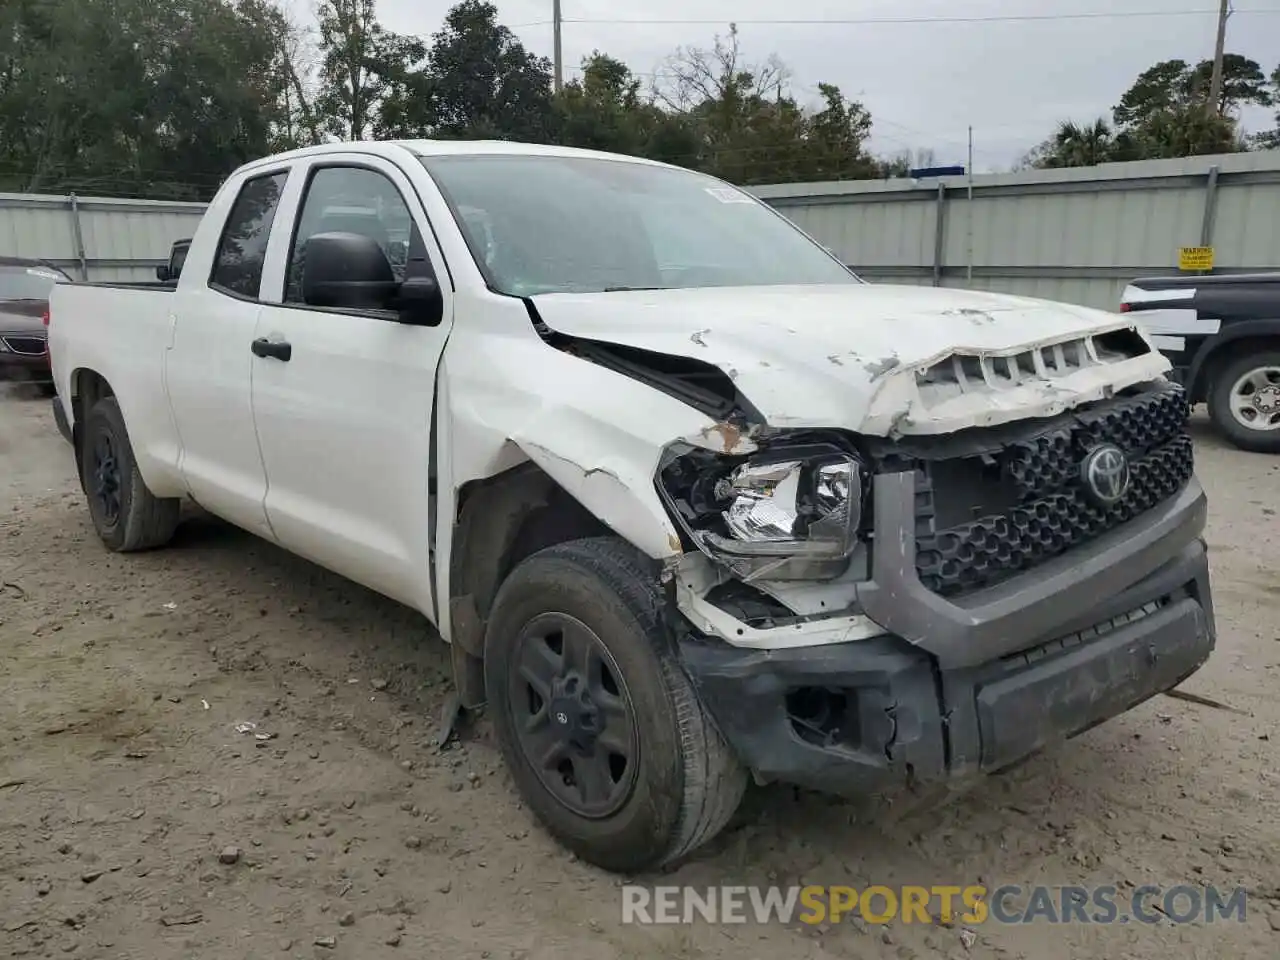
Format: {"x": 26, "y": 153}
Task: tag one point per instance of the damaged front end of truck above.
{"x": 942, "y": 585}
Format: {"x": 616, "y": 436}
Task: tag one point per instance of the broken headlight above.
{"x": 786, "y": 513}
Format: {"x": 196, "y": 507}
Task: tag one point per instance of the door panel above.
{"x": 208, "y": 365}
{"x": 345, "y": 422}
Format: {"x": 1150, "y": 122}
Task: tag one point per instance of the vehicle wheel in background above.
{"x": 125, "y": 513}
{"x": 604, "y": 735}
{"x": 1244, "y": 401}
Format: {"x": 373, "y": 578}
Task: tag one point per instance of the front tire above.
{"x": 604, "y": 735}
{"x": 126, "y": 515}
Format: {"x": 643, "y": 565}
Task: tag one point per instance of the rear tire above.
{"x": 670, "y": 782}
{"x": 1230, "y": 390}
{"x": 126, "y": 515}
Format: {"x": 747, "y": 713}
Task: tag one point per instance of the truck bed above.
{"x": 1228, "y": 280}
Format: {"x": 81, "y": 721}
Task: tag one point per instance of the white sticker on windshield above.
{"x": 43, "y": 274}
{"x": 729, "y": 195}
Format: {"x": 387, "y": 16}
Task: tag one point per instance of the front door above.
{"x": 344, "y": 412}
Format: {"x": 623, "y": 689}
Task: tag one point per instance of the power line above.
{"x": 872, "y": 21}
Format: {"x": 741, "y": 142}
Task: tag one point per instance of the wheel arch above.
{"x": 1224, "y": 347}
{"x": 501, "y": 520}
{"x": 88, "y": 386}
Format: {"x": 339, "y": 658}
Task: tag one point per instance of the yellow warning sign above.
{"x": 1195, "y": 258}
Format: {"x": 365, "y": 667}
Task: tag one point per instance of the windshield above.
{"x": 568, "y": 224}
{"x": 28, "y": 282}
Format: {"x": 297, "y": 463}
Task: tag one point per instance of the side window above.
{"x": 352, "y": 200}
{"x": 237, "y": 268}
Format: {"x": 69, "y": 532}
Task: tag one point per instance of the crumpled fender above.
{"x": 616, "y": 487}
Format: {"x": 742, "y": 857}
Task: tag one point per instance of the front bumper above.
{"x": 868, "y": 716}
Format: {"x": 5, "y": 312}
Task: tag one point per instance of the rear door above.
{"x": 345, "y": 421}
{"x": 209, "y": 364}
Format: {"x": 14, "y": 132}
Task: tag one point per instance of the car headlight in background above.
{"x": 791, "y": 512}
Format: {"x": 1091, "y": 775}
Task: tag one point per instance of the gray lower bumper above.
{"x": 1036, "y": 606}
{"x": 874, "y": 715}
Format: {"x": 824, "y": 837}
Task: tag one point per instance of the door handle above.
{"x": 263, "y": 347}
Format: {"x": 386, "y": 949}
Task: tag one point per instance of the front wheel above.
{"x": 1244, "y": 401}
{"x": 604, "y": 735}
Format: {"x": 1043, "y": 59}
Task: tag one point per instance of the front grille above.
{"x": 25, "y": 346}
{"x": 983, "y": 517}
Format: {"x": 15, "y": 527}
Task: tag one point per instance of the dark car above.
{"x": 24, "y": 317}
{"x": 1221, "y": 333}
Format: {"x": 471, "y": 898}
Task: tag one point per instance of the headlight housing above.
{"x": 790, "y": 512}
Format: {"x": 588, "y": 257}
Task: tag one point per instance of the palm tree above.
{"x": 1082, "y": 145}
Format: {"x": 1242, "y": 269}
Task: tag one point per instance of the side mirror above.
{"x": 162, "y": 273}
{"x": 420, "y": 302}
{"x": 347, "y": 270}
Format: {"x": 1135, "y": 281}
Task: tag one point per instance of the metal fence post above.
{"x": 939, "y": 233}
{"x": 1210, "y": 209}
{"x": 78, "y": 237}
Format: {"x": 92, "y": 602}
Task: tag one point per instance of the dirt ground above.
{"x": 124, "y": 779}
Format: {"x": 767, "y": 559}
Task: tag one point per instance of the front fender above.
{"x": 616, "y": 487}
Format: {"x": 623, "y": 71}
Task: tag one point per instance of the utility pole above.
{"x": 968, "y": 214}
{"x": 556, "y": 24}
{"x": 1215, "y": 84}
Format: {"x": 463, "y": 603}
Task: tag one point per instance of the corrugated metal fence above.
{"x": 1076, "y": 235}
{"x": 95, "y": 238}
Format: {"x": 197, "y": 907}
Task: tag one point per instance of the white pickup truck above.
{"x": 690, "y": 501}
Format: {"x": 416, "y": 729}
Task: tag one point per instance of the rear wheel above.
{"x": 126, "y": 515}
{"x": 604, "y": 734}
{"x": 1244, "y": 401}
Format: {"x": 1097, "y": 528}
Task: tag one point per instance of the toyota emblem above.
{"x": 1105, "y": 473}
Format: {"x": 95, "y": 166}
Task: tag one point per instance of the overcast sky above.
{"x": 924, "y": 83}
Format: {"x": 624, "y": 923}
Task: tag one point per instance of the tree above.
{"x": 361, "y": 63}
{"x": 481, "y": 80}
{"x": 297, "y": 122}
{"x": 1163, "y": 114}
{"x": 136, "y": 96}
{"x": 1160, "y": 87}
{"x": 605, "y": 110}
{"x": 1243, "y": 82}
{"x": 1076, "y": 145}
{"x": 1270, "y": 139}
{"x": 746, "y": 126}
{"x": 1172, "y": 85}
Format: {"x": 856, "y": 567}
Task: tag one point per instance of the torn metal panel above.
{"x": 906, "y": 405}
{"x": 851, "y": 356}
{"x": 695, "y": 577}
{"x": 617, "y": 489}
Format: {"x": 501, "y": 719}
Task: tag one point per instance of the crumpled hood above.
{"x": 848, "y": 356}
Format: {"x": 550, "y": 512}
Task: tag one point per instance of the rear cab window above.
{"x": 242, "y": 250}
